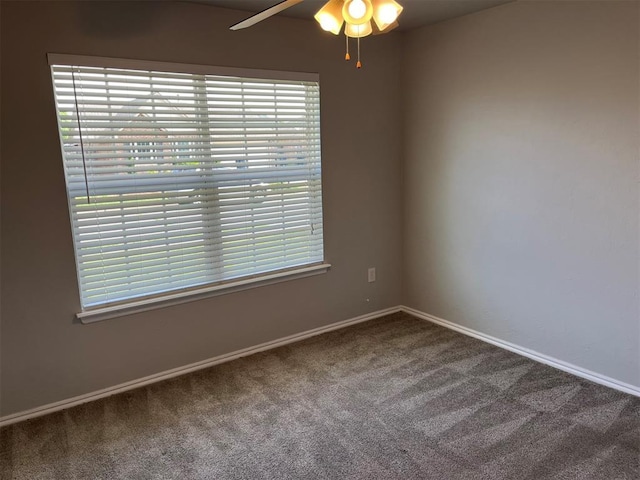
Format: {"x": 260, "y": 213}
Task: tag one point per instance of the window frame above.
{"x": 186, "y": 294}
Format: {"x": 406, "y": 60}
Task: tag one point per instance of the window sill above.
{"x": 103, "y": 313}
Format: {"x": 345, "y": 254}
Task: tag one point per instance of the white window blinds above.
{"x": 179, "y": 180}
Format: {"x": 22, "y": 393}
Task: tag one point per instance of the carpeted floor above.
{"x": 394, "y": 398}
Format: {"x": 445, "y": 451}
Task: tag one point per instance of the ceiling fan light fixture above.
{"x": 358, "y": 31}
{"x": 360, "y": 17}
{"x": 357, "y": 12}
{"x": 386, "y": 12}
{"x": 330, "y": 16}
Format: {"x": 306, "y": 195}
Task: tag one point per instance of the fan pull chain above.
{"x": 347, "y": 57}
{"x": 359, "y": 64}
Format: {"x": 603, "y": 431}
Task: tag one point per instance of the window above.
{"x": 183, "y": 177}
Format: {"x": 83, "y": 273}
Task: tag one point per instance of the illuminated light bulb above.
{"x": 357, "y": 12}
{"x": 327, "y": 22}
{"x": 357, "y": 9}
{"x": 388, "y": 14}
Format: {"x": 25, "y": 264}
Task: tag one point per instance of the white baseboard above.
{"x": 525, "y": 352}
{"x": 141, "y": 382}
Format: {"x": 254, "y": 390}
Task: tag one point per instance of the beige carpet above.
{"x": 394, "y": 398}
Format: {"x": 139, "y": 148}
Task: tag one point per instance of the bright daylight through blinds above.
{"x": 179, "y": 180}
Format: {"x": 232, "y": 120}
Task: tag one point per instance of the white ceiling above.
{"x": 416, "y": 12}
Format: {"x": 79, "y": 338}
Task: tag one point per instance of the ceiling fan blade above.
{"x": 266, "y": 13}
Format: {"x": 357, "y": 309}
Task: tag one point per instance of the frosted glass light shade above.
{"x": 358, "y": 31}
{"x": 386, "y": 12}
{"x": 330, "y": 16}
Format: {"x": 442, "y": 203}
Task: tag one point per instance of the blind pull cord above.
{"x": 84, "y": 162}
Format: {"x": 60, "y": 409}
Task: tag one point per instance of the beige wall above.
{"x": 521, "y": 178}
{"x": 45, "y": 355}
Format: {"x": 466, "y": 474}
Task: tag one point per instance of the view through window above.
{"x": 178, "y": 180}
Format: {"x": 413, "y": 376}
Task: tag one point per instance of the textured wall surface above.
{"x": 45, "y": 355}
{"x": 520, "y": 173}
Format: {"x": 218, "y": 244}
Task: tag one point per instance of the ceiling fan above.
{"x": 359, "y": 17}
